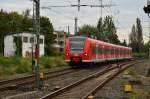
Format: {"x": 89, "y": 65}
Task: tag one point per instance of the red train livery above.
{"x": 86, "y": 50}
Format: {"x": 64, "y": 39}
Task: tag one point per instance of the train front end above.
{"x": 76, "y": 51}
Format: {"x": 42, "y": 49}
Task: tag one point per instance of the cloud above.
{"x": 125, "y": 13}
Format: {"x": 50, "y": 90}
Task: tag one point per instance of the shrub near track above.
{"x": 18, "y": 65}
{"x": 50, "y": 62}
{"x": 14, "y": 65}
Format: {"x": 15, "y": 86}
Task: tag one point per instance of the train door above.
{"x": 114, "y": 52}
{"x": 100, "y": 51}
{"x": 97, "y": 54}
{"x": 103, "y": 52}
{"x": 109, "y": 52}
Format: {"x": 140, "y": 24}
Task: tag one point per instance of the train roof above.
{"x": 109, "y": 44}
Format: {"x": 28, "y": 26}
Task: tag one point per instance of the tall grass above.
{"x": 13, "y": 65}
{"x": 140, "y": 55}
{"x": 49, "y": 62}
{"x": 18, "y": 65}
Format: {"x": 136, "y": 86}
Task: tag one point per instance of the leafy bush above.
{"x": 140, "y": 55}
{"x": 13, "y": 65}
{"x": 18, "y": 65}
{"x": 24, "y": 67}
{"x": 49, "y": 62}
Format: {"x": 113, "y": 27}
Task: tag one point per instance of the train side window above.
{"x": 105, "y": 51}
{"x": 100, "y": 50}
{"x": 109, "y": 50}
{"x": 120, "y": 51}
{"x": 94, "y": 49}
{"x": 112, "y": 51}
{"x": 116, "y": 52}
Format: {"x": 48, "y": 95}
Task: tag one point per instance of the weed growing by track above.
{"x": 19, "y": 65}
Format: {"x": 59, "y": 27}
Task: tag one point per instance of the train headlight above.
{"x": 67, "y": 54}
{"x": 85, "y": 54}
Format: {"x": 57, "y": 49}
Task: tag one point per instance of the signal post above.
{"x": 147, "y": 10}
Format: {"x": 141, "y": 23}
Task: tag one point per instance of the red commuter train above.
{"x": 86, "y": 50}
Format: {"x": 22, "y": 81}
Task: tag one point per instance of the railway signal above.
{"x": 147, "y": 10}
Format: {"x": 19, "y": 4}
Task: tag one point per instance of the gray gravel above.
{"x": 114, "y": 89}
{"x": 53, "y": 83}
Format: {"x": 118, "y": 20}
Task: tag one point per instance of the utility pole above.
{"x": 32, "y": 48}
{"x": 101, "y": 16}
{"x": 76, "y": 27}
{"x": 147, "y": 10}
{"x": 37, "y": 31}
{"x": 80, "y": 5}
{"x": 68, "y": 31}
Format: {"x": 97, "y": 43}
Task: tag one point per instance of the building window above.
{"x": 25, "y": 39}
{"x": 41, "y": 41}
{"x": 61, "y": 43}
{"x": 31, "y": 40}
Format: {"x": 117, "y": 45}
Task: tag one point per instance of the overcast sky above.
{"x": 124, "y": 13}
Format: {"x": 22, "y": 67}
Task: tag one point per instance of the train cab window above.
{"x": 77, "y": 44}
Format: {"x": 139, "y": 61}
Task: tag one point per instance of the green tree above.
{"x": 146, "y": 48}
{"x": 27, "y": 22}
{"x": 124, "y": 43}
{"x": 3, "y": 20}
{"x": 14, "y": 23}
{"x": 136, "y": 37}
{"x": 139, "y": 35}
{"x": 109, "y": 31}
{"x": 88, "y": 30}
{"x": 47, "y": 30}
{"x": 133, "y": 39}
{"x": 100, "y": 35}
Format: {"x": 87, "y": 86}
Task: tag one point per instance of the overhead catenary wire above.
{"x": 74, "y": 5}
{"x": 60, "y": 13}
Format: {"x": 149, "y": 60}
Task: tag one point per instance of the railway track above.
{"x": 89, "y": 85}
{"x": 14, "y": 83}
{"x": 62, "y": 79}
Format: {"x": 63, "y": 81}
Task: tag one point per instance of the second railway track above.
{"x": 13, "y": 83}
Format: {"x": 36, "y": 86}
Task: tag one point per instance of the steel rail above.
{"x": 105, "y": 81}
{"x": 66, "y": 88}
{"x": 13, "y": 83}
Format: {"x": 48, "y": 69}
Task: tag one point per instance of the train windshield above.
{"x": 77, "y": 44}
